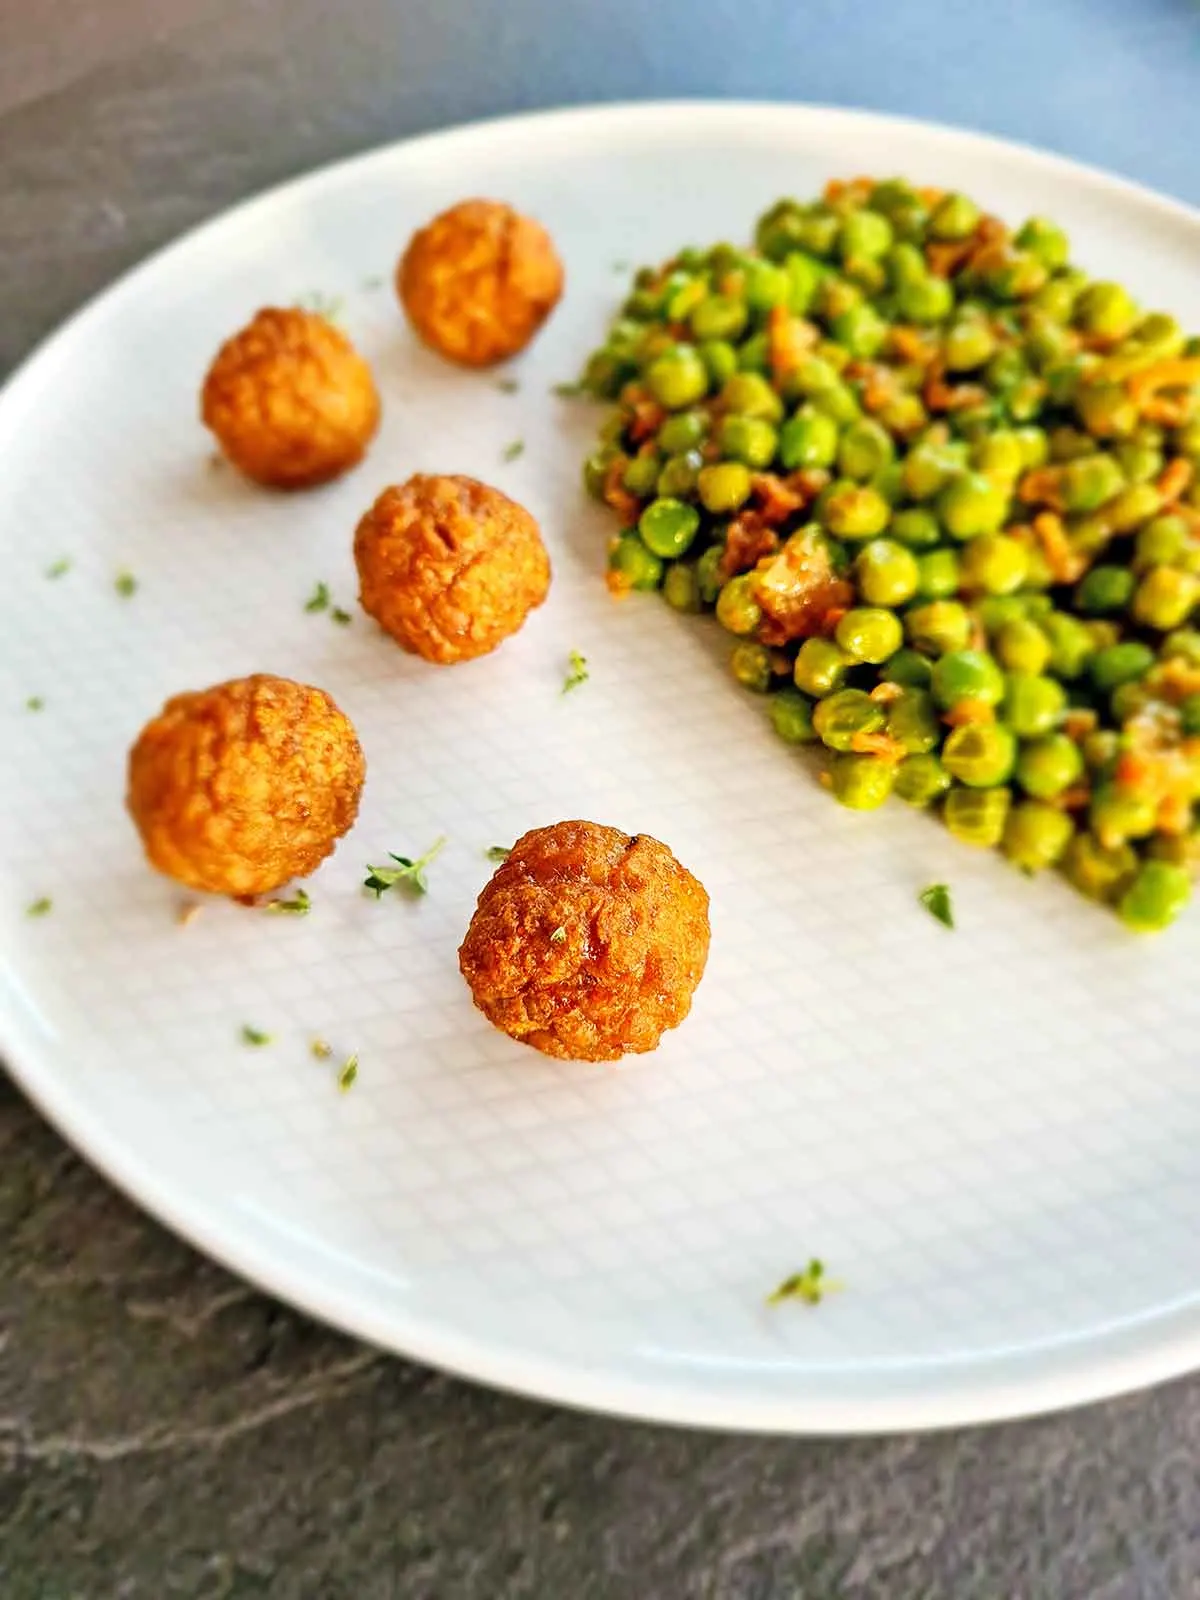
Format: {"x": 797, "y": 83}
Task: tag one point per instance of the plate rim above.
{"x": 1081, "y": 1369}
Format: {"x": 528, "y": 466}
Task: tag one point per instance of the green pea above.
{"x": 1189, "y": 715}
{"x": 1187, "y": 440}
{"x": 916, "y": 527}
{"x": 920, "y": 780}
{"x": 1128, "y": 700}
{"x": 861, "y": 329}
{"x": 792, "y": 717}
{"x": 939, "y": 627}
{"x": 1104, "y": 590}
{"x": 1057, "y": 298}
{"x": 838, "y": 295}
{"x": 868, "y": 633}
{"x": 1035, "y": 835}
{"x": 1064, "y": 380}
{"x": 814, "y": 375}
{"x": 750, "y": 664}
{"x": 999, "y": 456}
{"x": 1004, "y": 372}
{"x": 1015, "y": 277}
{"x": 1071, "y": 645}
{"x": 980, "y": 754}
{"x": 1160, "y": 543}
{"x": 852, "y": 511}
{"x": 679, "y": 378}
{"x": 684, "y": 297}
{"x": 889, "y": 482}
{"x": 913, "y": 722}
{"x": 925, "y": 300}
{"x": 1158, "y": 335}
{"x": 954, "y": 217}
{"x": 905, "y": 264}
{"x": 845, "y": 713}
{"x": 748, "y": 439}
{"x": 595, "y": 470}
{"x": 938, "y": 574}
{"x": 1100, "y": 750}
{"x": 1046, "y": 341}
{"x": 1120, "y": 663}
{"x": 720, "y": 361}
{"x": 865, "y": 449}
{"x": 1105, "y": 309}
{"x": 1021, "y": 646}
{"x": 1182, "y": 645}
{"x": 886, "y": 573}
{"x": 737, "y": 608}
{"x": 639, "y": 567}
{"x": 679, "y": 476}
{"x": 1117, "y": 813}
{"x": 865, "y": 233}
{"x": 681, "y": 587}
{"x": 1045, "y": 240}
{"x": 1105, "y": 409}
{"x": 1156, "y": 896}
{"x": 904, "y": 414}
{"x": 1035, "y": 446}
{"x": 1139, "y": 463}
{"x": 967, "y": 675}
{"x": 709, "y": 577}
{"x": 977, "y": 816}
{"x": 781, "y": 229}
{"x": 1097, "y": 872}
{"x": 668, "y": 527}
{"x": 804, "y": 277}
{"x": 1047, "y": 766}
{"x": 1033, "y": 704}
{"x": 860, "y": 782}
{"x": 971, "y": 504}
{"x": 839, "y": 404}
{"x": 766, "y": 285}
{"x": 641, "y": 475}
{"x": 748, "y": 394}
{"x": 682, "y": 432}
{"x": 1090, "y": 482}
{"x": 994, "y": 563}
{"x": 724, "y": 486}
{"x": 820, "y": 667}
{"x": 908, "y": 668}
{"x": 1165, "y": 598}
{"x": 969, "y": 343}
{"x": 809, "y": 439}
{"x": 1132, "y": 507}
{"x": 753, "y": 354}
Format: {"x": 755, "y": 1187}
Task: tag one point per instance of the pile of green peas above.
{"x": 987, "y": 465}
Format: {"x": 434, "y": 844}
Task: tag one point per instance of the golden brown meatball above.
{"x": 478, "y": 282}
{"x": 238, "y": 788}
{"x": 290, "y": 399}
{"x": 449, "y": 567}
{"x": 588, "y": 943}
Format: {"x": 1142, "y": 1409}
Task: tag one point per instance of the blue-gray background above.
{"x": 165, "y": 1431}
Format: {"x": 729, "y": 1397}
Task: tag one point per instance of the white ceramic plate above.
{"x": 990, "y": 1136}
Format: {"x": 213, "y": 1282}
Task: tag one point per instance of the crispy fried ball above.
{"x": 238, "y": 788}
{"x": 478, "y": 282}
{"x": 449, "y": 567}
{"x": 588, "y": 943}
{"x": 290, "y": 399}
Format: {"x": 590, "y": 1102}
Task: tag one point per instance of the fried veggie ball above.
{"x": 239, "y": 788}
{"x": 449, "y": 567}
{"x": 588, "y": 943}
{"x": 290, "y": 399}
{"x": 478, "y": 282}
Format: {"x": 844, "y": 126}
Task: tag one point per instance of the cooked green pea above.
{"x": 1100, "y": 749}
{"x": 681, "y": 588}
{"x": 1105, "y": 309}
{"x": 1160, "y": 543}
{"x": 994, "y": 563}
{"x": 1128, "y": 700}
{"x": 766, "y": 285}
{"x": 1120, "y": 663}
{"x": 865, "y": 449}
{"x": 678, "y": 378}
{"x": 845, "y": 713}
{"x": 792, "y": 717}
{"x": 682, "y": 432}
{"x": 1104, "y": 590}
{"x": 1006, "y": 370}
{"x": 1045, "y": 240}
{"x": 954, "y": 217}
{"x": 969, "y": 343}
{"x": 999, "y": 455}
{"x": 860, "y": 782}
{"x": 750, "y": 664}
{"x": 639, "y": 567}
{"x": 1057, "y": 298}
{"x": 781, "y": 229}
{"x": 861, "y": 329}
{"x": 915, "y": 527}
{"x": 864, "y": 233}
{"x": 938, "y": 574}
{"x": 852, "y": 511}
{"x": 1016, "y": 276}
{"x": 925, "y": 300}
{"x": 1090, "y": 482}
{"x": 967, "y": 675}
{"x": 668, "y": 527}
{"x": 904, "y": 414}
{"x": 1189, "y": 714}
{"x": 820, "y": 667}
{"x": 1071, "y": 645}
{"x": 1156, "y": 896}
{"x": 980, "y": 754}
{"x": 909, "y": 668}
{"x": 920, "y": 780}
{"x": 1183, "y": 644}
{"x": 737, "y": 608}
{"x": 709, "y": 577}
{"x": 1047, "y": 766}
{"x": 809, "y": 439}
{"x": 1117, "y": 813}
{"x": 971, "y": 504}
{"x": 913, "y": 722}
{"x": 748, "y": 394}
{"x": 1035, "y": 446}
{"x": 1036, "y": 834}
{"x": 905, "y": 264}
{"x": 977, "y": 816}
{"x": 1105, "y": 409}
{"x": 868, "y": 633}
{"x": 720, "y": 360}
{"x": 838, "y": 403}
{"x": 1021, "y": 646}
{"x": 939, "y": 627}
{"x": 1132, "y": 507}
{"x": 641, "y": 475}
{"x": 1165, "y": 598}
{"x": 995, "y": 610}
{"x": 750, "y": 440}
{"x": 1097, "y": 872}
{"x": 596, "y": 468}
{"x": 724, "y": 486}
{"x": 804, "y": 275}
{"x": 679, "y": 476}
{"x": 1140, "y": 463}
{"x": 1033, "y": 704}
{"x": 814, "y": 375}
{"x": 886, "y": 573}
{"x": 889, "y": 482}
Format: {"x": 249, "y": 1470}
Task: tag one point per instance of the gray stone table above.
{"x": 165, "y": 1430}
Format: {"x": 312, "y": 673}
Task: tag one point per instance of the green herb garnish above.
{"x": 936, "y": 900}
{"x": 348, "y": 1073}
{"x": 298, "y": 906}
{"x": 559, "y": 936}
{"x": 342, "y": 618}
{"x": 811, "y": 1286}
{"x": 58, "y": 568}
{"x": 577, "y": 672}
{"x": 34, "y": 703}
{"x": 39, "y": 907}
{"x": 254, "y": 1036}
{"x": 513, "y": 450}
{"x": 125, "y": 584}
{"x": 408, "y": 873}
{"x": 498, "y": 852}
{"x": 319, "y": 599}
{"x": 321, "y": 1049}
